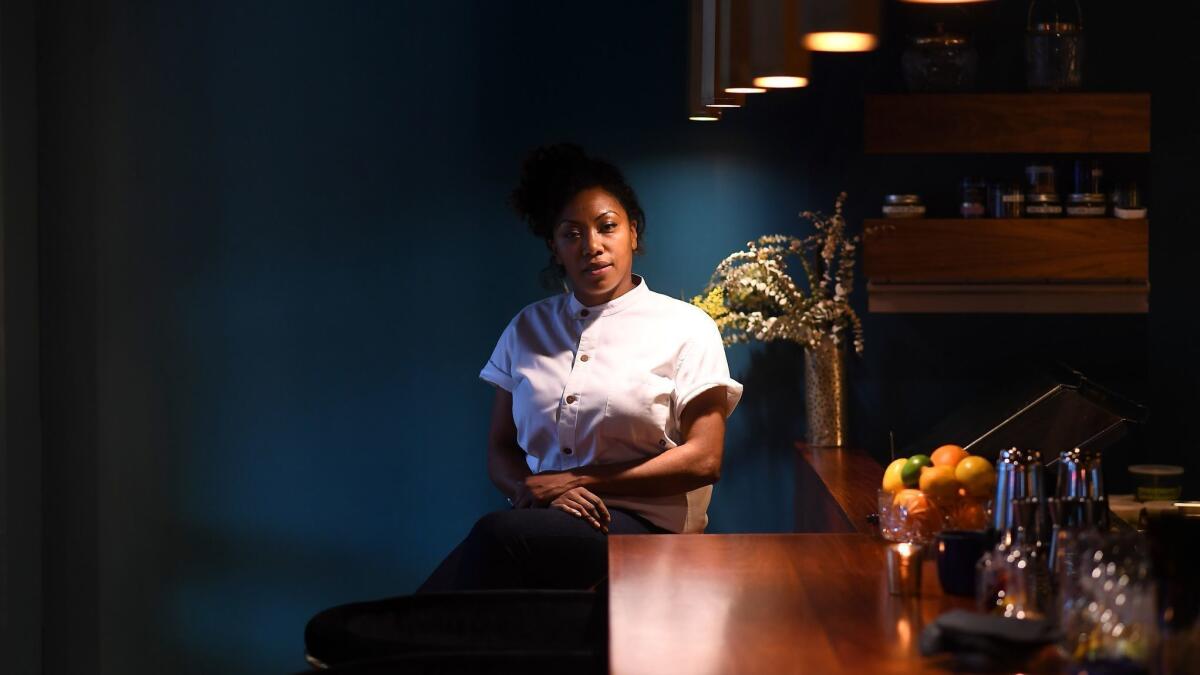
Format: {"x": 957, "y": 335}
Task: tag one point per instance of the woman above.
{"x": 610, "y": 405}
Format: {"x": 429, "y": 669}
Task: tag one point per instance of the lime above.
{"x": 911, "y": 473}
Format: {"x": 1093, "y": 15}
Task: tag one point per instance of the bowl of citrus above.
{"x": 924, "y": 494}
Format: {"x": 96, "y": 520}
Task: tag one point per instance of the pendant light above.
{"x": 703, "y": 95}
{"x": 777, "y": 58}
{"x": 841, "y": 25}
{"x": 733, "y": 48}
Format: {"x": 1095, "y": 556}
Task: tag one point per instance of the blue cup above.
{"x": 957, "y": 552}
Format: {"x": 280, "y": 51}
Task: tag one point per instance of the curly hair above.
{"x": 550, "y": 177}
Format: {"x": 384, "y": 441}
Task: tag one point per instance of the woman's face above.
{"x": 595, "y": 240}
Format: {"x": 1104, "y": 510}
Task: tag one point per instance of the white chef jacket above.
{"x": 608, "y": 383}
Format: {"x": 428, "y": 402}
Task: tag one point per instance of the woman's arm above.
{"x": 506, "y": 459}
{"x": 691, "y": 465}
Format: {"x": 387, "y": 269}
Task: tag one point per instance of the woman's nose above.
{"x": 591, "y": 243}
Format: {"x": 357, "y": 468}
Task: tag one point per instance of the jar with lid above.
{"x": 974, "y": 195}
{"x": 1006, "y": 200}
{"x": 1087, "y": 205}
{"x": 939, "y": 61}
{"x": 903, "y": 206}
{"x": 1054, "y": 45}
{"x": 1040, "y": 179}
{"x": 1043, "y": 205}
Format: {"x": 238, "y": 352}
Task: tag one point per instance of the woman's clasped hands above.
{"x": 554, "y": 490}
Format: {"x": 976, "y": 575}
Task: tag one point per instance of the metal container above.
{"x": 903, "y": 206}
{"x": 1018, "y": 475}
{"x": 1080, "y": 474}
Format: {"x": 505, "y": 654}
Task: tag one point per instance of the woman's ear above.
{"x": 634, "y": 233}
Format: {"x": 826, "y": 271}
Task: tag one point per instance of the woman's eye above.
{"x": 608, "y": 226}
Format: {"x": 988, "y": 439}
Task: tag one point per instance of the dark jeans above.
{"x": 532, "y": 548}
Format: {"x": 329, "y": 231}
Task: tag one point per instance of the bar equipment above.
{"x": 1018, "y": 475}
{"x": 904, "y": 568}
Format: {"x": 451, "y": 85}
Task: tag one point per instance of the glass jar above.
{"x": 1006, "y": 200}
{"x": 1089, "y": 176}
{"x": 903, "y": 206}
{"x": 939, "y": 62}
{"x": 1043, "y": 205}
{"x": 1040, "y": 179}
{"x": 1054, "y": 45}
{"x": 974, "y": 196}
{"x": 1087, "y": 205}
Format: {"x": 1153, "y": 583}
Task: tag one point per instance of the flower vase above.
{"x": 825, "y": 394}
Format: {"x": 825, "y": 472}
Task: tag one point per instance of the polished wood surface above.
{"x": 1009, "y": 123}
{"x": 1005, "y": 250}
{"x": 764, "y": 603}
{"x": 968, "y": 298}
{"x": 836, "y": 489}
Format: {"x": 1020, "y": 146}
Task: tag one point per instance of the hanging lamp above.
{"x": 777, "y": 59}
{"x": 841, "y": 25}
{"x": 702, "y": 64}
{"x": 733, "y": 48}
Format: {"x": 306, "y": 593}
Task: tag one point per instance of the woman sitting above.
{"x": 611, "y": 399}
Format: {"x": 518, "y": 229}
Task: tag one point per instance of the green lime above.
{"x": 911, "y": 473}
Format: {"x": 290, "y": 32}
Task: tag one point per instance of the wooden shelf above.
{"x": 995, "y": 250}
{"x": 1007, "y": 123}
{"x": 1048, "y": 298}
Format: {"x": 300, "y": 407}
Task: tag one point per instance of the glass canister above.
{"x": 1005, "y": 200}
{"x": 1054, "y": 45}
{"x": 1040, "y": 179}
{"x": 903, "y": 206}
{"x": 1089, "y": 176}
{"x": 974, "y": 196}
{"x": 1087, "y": 205}
{"x": 1043, "y": 205}
{"x": 939, "y": 62}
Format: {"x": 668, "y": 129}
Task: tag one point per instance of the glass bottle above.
{"x": 1054, "y": 45}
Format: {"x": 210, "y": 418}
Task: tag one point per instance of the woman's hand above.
{"x": 582, "y": 503}
{"x": 548, "y": 485}
{"x": 523, "y": 498}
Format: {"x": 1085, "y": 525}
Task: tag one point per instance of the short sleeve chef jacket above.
{"x": 608, "y": 383}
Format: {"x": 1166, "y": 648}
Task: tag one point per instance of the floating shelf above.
{"x": 1007, "y": 123}
{"x": 1049, "y": 298}
{"x": 996, "y": 250}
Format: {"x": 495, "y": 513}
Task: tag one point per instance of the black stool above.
{"x": 462, "y": 632}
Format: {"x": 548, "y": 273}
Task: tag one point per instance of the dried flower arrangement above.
{"x": 751, "y": 295}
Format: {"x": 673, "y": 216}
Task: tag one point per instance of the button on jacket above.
{"x": 608, "y": 383}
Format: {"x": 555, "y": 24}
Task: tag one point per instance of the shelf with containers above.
{"x": 1008, "y": 264}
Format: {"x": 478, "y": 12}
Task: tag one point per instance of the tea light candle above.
{"x": 904, "y": 568}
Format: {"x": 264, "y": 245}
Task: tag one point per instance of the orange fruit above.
{"x": 939, "y": 482}
{"x": 976, "y": 475}
{"x": 948, "y": 455}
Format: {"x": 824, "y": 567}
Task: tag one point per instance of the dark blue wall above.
{"x": 276, "y": 254}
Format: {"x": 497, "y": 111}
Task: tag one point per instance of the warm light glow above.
{"x": 745, "y": 90}
{"x": 905, "y": 549}
{"x": 722, "y": 105}
{"x": 781, "y": 82}
{"x": 840, "y": 42}
{"x": 703, "y": 118}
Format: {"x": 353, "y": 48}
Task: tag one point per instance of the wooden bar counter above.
{"x": 764, "y": 603}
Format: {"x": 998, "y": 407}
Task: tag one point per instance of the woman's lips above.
{"x": 598, "y": 271}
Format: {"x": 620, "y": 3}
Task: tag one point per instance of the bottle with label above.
{"x": 1006, "y": 200}
{"x": 974, "y": 195}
